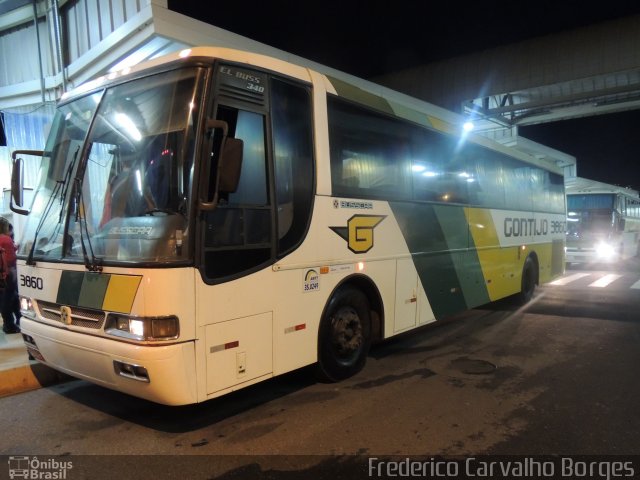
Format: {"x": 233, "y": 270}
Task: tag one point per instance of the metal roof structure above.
{"x": 586, "y": 185}
{"x": 583, "y": 72}
{"x": 43, "y": 60}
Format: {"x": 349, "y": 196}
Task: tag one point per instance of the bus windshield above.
{"x": 590, "y": 215}
{"x": 117, "y": 174}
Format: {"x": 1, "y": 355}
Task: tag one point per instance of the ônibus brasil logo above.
{"x": 34, "y": 468}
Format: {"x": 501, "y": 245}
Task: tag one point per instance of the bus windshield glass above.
{"x": 590, "y": 215}
{"x": 117, "y": 174}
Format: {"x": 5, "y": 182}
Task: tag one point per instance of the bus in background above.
{"x": 603, "y": 221}
{"x": 216, "y": 217}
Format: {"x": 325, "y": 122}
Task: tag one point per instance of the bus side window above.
{"x": 293, "y": 157}
{"x": 370, "y": 152}
{"x": 238, "y": 230}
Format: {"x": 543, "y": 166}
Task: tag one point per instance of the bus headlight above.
{"x": 142, "y": 328}
{"x": 605, "y": 251}
{"x": 26, "y": 308}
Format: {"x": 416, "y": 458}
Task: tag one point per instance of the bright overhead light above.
{"x": 125, "y": 122}
{"x": 468, "y": 126}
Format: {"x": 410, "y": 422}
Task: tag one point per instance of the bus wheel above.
{"x": 344, "y": 336}
{"x": 528, "y": 281}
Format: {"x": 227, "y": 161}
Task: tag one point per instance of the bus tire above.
{"x": 344, "y": 336}
{"x": 529, "y": 280}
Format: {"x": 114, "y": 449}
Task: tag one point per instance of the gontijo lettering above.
{"x": 523, "y": 227}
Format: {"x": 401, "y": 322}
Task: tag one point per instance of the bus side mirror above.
{"x": 621, "y": 224}
{"x": 17, "y": 174}
{"x": 16, "y": 203}
{"x": 228, "y": 166}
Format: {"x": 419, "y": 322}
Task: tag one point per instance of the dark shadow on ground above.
{"x": 190, "y": 417}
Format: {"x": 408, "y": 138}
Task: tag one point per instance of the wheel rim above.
{"x": 347, "y": 334}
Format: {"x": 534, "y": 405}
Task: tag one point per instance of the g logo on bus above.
{"x": 359, "y": 232}
{"x": 65, "y": 315}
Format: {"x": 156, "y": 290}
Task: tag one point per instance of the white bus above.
{"x": 215, "y": 218}
{"x": 603, "y": 222}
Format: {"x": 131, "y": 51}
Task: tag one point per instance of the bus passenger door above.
{"x": 406, "y": 295}
{"x": 237, "y": 246}
{"x": 237, "y": 239}
{"x": 265, "y": 218}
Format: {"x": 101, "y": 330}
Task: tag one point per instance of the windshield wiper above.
{"x": 67, "y": 177}
{"x": 94, "y": 264}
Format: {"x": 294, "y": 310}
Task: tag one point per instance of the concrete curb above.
{"x": 29, "y": 377}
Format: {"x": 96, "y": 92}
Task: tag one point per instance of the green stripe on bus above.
{"x": 412, "y": 115}
{"x": 351, "y": 92}
{"x": 438, "y": 238}
{"x": 467, "y": 264}
{"x": 93, "y": 290}
{"x": 70, "y": 287}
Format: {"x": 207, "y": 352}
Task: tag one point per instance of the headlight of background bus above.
{"x": 605, "y": 251}
{"x": 26, "y": 307}
{"x": 142, "y": 328}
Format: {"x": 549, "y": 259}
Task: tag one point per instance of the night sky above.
{"x": 370, "y": 38}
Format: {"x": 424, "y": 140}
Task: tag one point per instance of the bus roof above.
{"x": 576, "y": 185}
{"x": 340, "y": 83}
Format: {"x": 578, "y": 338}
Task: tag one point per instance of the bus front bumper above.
{"x": 164, "y": 374}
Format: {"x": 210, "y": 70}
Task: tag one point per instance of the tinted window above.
{"x": 590, "y": 201}
{"x": 378, "y": 156}
{"x": 293, "y": 157}
{"x": 370, "y": 153}
{"x": 238, "y": 231}
{"x": 438, "y": 167}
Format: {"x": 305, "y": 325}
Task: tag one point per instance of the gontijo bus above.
{"x": 215, "y": 218}
{"x": 603, "y": 221}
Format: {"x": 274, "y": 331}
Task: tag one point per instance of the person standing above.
{"x": 9, "y": 298}
{"x": 15, "y": 304}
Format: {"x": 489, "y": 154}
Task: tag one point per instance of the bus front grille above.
{"x": 80, "y": 317}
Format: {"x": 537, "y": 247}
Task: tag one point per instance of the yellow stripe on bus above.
{"x": 501, "y": 267}
{"x": 121, "y": 292}
{"x": 442, "y": 125}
